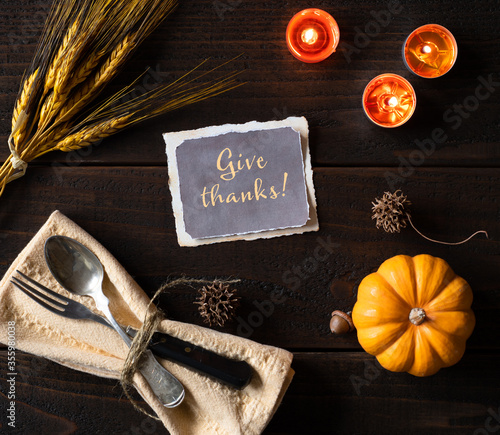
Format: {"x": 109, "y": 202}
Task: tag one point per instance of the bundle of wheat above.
{"x": 83, "y": 46}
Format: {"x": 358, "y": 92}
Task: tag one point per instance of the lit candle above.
{"x": 312, "y": 35}
{"x": 309, "y": 36}
{"x": 430, "y": 51}
{"x": 389, "y": 100}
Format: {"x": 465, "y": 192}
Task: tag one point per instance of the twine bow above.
{"x": 16, "y": 161}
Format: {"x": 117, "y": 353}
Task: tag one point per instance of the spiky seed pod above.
{"x": 389, "y": 211}
{"x": 217, "y": 303}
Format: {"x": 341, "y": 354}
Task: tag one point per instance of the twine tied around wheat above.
{"x": 15, "y": 159}
{"x": 84, "y": 45}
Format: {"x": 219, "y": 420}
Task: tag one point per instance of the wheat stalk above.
{"x": 22, "y": 101}
{"x": 63, "y": 83}
{"x": 92, "y": 134}
{"x": 50, "y": 77}
{"x": 106, "y": 72}
{"x": 83, "y": 46}
{"x": 48, "y": 141}
{"x": 18, "y": 131}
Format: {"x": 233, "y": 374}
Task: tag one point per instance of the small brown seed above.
{"x": 341, "y": 323}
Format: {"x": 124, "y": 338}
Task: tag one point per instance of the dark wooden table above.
{"x": 118, "y": 192}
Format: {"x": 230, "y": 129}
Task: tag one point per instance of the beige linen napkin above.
{"x": 208, "y": 408}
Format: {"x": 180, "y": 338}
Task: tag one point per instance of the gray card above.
{"x": 240, "y": 183}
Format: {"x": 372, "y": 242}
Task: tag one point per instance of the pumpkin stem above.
{"x": 417, "y": 316}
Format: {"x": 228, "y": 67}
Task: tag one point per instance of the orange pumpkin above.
{"x": 414, "y": 314}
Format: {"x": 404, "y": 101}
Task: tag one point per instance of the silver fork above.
{"x": 55, "y": 303}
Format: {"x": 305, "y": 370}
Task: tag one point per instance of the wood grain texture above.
{"x": 128, "y": 210}
{"x": 354, "y": 395}
{"x": 118, "y": 192}
{"x": 334, "y": 393}
{"x": 52, "y": 399}
{"x": 328, "y": 94}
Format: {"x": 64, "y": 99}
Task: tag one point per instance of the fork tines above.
{"x": 55, "y": 302}
{"x": 50, "y": 303}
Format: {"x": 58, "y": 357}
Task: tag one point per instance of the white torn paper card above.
{"x": 241, "y": 182}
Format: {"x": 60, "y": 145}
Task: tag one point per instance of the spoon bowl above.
{"x": 74, "y": 266}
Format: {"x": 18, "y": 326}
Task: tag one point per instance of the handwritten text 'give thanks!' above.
{"x": 229, "y": 169}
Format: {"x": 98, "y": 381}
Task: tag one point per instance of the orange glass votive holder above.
{"x": 430, "y": 51}
{"x": 312, "y": 35}
{"x": 389, "y": 100}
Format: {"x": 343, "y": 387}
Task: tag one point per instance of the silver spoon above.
{"x": 80, "y": 272}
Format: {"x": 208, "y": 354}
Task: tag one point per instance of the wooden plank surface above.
{"x": 328, "y": 94}
{"x": 128, "y": 211}
{"x": 334, "y": 393}
{"x": 354, "y": 395}
{"x": 118, "y": 192}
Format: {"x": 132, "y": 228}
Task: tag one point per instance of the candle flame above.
{"x": 426, "y": 49}
{"x": 393, "y": 101}
{"x": 309, "y": 36}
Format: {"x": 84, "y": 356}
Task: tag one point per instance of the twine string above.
{"x": 446, "y": 243}
{"x": 152, "y": 319}
{"x": 15, "y": 159}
